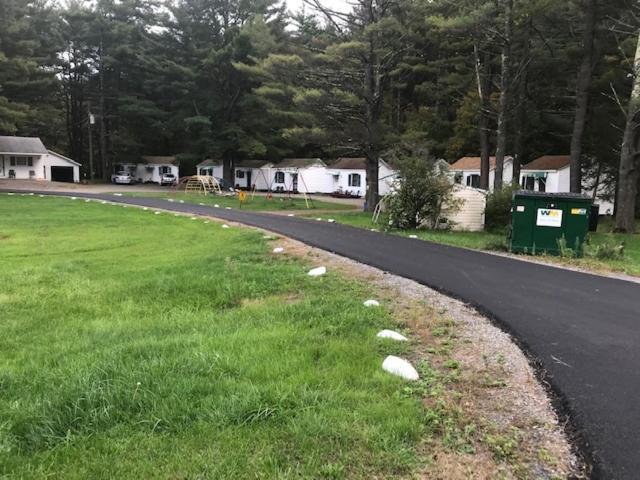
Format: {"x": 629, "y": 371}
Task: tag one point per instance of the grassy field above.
{"x": 135, "y": 345}
{"x": 257, "y": 203}
{"x": 630, "y": 264}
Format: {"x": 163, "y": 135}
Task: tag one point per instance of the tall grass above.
{"x": 141, "y": 345}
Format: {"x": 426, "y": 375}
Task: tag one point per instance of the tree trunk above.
{"x": 583, "y": 85}
{"x": 483, "y": 81}
{"x": 227, "y": 168}
{"x": 505, "y": 87}
{"x": 629, "y": 173}
{"x": 521, "y": 112}
{"x": 371, "y": 197}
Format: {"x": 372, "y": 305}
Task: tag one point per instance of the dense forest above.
{"x": 237, "y": 79}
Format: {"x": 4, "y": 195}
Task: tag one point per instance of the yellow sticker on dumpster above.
{"x": 578, "y": 211}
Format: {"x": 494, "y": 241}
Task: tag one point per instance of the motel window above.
{"x": 164, "y": 170}
{"x": 279, "y": 177}
{"x": 542, "y": 184}
{"x": 473, "y": 181}
{"x": 528, "y": 183}
{"x": 21, "y": 161}
{"x": 354, "y": 179}
{"x": 239, "y": 173}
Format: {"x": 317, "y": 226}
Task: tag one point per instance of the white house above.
{"x": 247, "y": 173}
{"x": 212, "y": 168}
{"x": 151, "y": 168}
{"x": 27, "y": 158}
{"x": 349, "y": 176}
{"x": 466, "y": 171}
{"x": 552, "y": 173}
{"x": 304, "y": 175}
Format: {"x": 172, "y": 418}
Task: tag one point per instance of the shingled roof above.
{"x": 250, "y": 163}
{"x": 22, "y": 145}
{"x": 471, "y": 163}
{"x": 159, "y": 160}
{"x": 347, "y": 163}
{"x": 299, "y": 163}
{"x": 548, "y": 162}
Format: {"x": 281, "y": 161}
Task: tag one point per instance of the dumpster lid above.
{"x": 562, "y": 195}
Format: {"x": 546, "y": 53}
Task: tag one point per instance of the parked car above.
{"x": 123, "y": 177}
{"x": 167, "y": 179}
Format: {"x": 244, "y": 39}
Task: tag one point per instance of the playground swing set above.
{"x": 209, "y": 185}
{"x": 287, "y": 191}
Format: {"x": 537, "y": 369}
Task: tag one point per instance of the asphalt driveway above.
{"x": 582, "y": 330}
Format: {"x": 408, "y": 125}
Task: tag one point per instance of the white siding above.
{"x": 212, "y": 170}
{"x": 40, "y": 169}
{"x": 341, "y": 181}
{"x": 470, "y": 216}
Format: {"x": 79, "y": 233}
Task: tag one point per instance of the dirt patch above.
{"x": 487, "y": 414}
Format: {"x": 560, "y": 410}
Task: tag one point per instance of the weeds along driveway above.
{"x": 582, "y": 330}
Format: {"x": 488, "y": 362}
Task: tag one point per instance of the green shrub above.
{"x": 497, "y": 213}
{"x": 424, "y": 189}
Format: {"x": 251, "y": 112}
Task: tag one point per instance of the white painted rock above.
{"x": 391, "y": 335}
{"x": 278, "y": 250}
{"x": 193, "y": 218}
{"x": 170, "y": 200}
{"x": 10, "y": 193}
{"x": 87, "y": 201}
{"x": 145, "y": 209}
{"x": 176, "y": 215}
{"x": 227, "y": 208}
{"x": 117, "y": 194}
{"x": 290, "y": 215}
{"x": 206, "y": 222}
{"x": 224, "y": 225}
{"x": 181, "y": 201}
{"x": 156, "y": 213}
{"x": 318, "y": 219}
{"x": 41, "y": 196}
{"x": 201, "y": 204}
{"x": 371, "y": 303}
{"x": 401, "y": 368}
{"x": 103, "y": 202}
{"x": 316, "y": 272}
{"x": 75, "y": 198}
{"x": 331, "y": 220}
{"x": 413, "y": 236}
{"x": 217, "y": 206}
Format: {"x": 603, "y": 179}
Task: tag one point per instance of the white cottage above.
{"x": 212, "y": 168}
{"x": 151, "y": 168}
{"x": 466, "y": 171}
{"x": 552, "y": 173}
{"x": 247, "y": 173}
{"x": 349, "y": 176}
{"x": 27, "y": 158}
{"x": 303, "y": 175}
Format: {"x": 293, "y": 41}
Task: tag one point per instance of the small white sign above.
{"x": 549, "y": 217}
{"x": 520, "y": 208}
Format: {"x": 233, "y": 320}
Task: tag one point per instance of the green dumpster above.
{"x": 548, "y": 222}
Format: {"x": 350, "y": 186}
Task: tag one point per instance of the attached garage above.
{"x": 62, "y": 174}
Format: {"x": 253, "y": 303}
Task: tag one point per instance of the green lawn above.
{"x": 135, "y": 345}
{"x": 257, "y": 203}
{"x": 630, "y": 264}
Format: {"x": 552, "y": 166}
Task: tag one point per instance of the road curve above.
{"x": 582, "y": 330}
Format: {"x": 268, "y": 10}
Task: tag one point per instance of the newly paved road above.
{"x": 583, "y": 330}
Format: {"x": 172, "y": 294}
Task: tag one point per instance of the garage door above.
{"x": 62, "y": 174}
